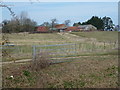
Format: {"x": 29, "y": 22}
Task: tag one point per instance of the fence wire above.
{"x": 60, "y": 51}
{"x": 63, "y": 51}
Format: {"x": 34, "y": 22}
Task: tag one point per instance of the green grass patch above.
{"x": 104, "y": 36}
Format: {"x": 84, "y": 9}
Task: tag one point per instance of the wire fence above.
{"x": 63, "y": 51}
{"x": 17, "y": 52}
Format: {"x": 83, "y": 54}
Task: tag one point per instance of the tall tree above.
{"x": 53, "y": 22}
{"x": 108, "y": 23}
{"x": 23, "y": 16}
{"x": 95, "y": 21}
{"x": 19, "y": 24}
{"x": 46, "y": 24}
{"x": 77, "y": 24}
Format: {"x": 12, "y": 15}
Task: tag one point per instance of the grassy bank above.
{"x": 103, "y": 36}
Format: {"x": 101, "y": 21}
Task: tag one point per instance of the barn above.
{"x": 42, "y": 29}
{"x": 60, "y": 27}
{"x": 87, "y": 27}
{"x": 72, "y": 29}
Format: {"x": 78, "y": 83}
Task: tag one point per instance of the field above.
{"x": 56, "y": 38}
{"x": 89, "y": 72}
{"x": 99, "y": 36}
{"x": 23, "y": 42}
{"x": 89, "y": 68}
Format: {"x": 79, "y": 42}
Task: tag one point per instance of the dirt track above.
{"x": 58, "y": 59}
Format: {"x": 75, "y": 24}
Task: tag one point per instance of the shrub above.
{"x": 42, "y": 60}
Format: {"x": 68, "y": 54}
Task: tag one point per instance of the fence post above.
{"x": 109, "y": 45}
{"x": 75, "y": 48}
{"x": 93, "y": 47}
{"x": 34, "y": 52}
{"x": 104, "y": 45}
{"x": 115, "y": 44}
{"x": 79, "y": 48}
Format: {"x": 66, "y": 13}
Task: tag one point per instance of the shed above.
{"x": 42, "y": 29}
{"x": 71, "y": 29}
{"x": 87, "y": 27}
{"x": 60, "y": 27}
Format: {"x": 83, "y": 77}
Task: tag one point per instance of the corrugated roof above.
{"x": 42, "y": 29}
{"x": 60, "y": 26}
{"x": 72, "y": 29}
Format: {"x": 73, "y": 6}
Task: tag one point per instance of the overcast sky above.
{"x": 74, "y": 11}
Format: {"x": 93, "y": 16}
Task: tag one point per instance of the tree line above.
{"x": 23, "y": 23}
{"x": 104, "y": 23}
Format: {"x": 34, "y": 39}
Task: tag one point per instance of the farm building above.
{"x": 60, "y": 27}
{"x": 42, "y": 29}
{"x": 81, "y": 28}
{"x": 72, "y": 29}
{"x": 87, "y": 27}
{"x": 63, "y": 27}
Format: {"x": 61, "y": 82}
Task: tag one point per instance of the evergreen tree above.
{"x": 95, "y": 21}
{"x": 108, "y": 23}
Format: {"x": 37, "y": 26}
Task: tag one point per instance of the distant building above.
{"x": 42, "y": 29}
{"x": 60, "y": 27}
{"x": 72, "y": 29}
{"x": 87, "y": 28}
{"x": 63, "y": 27}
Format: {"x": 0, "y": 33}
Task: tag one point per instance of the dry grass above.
{"x": 56, "y": 38}
{"x": 23, "y": 41}
{"x": 93, "y": 72}
{"x": 36, "y": 39}
{"x": 85, "y": 72}
{"x": 106, "y": 35}
{"x": 42, "y": 60}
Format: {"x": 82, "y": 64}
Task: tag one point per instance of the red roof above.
{"x": 42, "y": 29}
{"x": 60, "y": 26}
{"x": 72, "y": 29}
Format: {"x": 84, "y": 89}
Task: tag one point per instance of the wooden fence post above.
{"x": 104, "y": 45}
{"x": 34, "y": 52}
{"x": 115, "y": 44}
{"x": 75, "y": 48}
{"x": 79, "y": 47}
{"x": 93, "y": 46}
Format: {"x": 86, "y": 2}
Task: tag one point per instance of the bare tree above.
{"x": 67, "y": 22}
{"x": 23, "y": 17}
{"x": 53, "y": 22}
{"x": 9, "y": 8}
{"x": 46, "y": 24}
{"x": 19, "y": 24}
